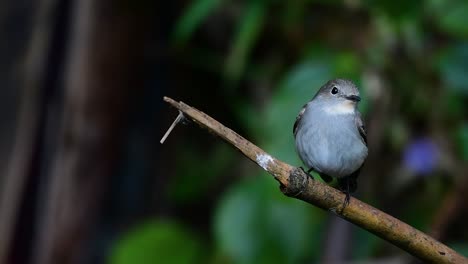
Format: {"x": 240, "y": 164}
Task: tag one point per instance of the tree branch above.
{"x": 296, "y": 183}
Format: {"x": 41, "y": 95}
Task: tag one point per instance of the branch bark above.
{"x": 294, "y": 182}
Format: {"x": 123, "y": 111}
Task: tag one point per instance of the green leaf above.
{"x": 248, "y": 30}
{"x": 451, "y": 16}
{"x": 158, "y": 242}
{"x": 396, "y": 9}
{"x": 255, "y": 223}
{"x": 347, "y": 64}
{"x": 192, "y": 18}
{"x": 462, "y": 138}
{"x": 453, "y": 67}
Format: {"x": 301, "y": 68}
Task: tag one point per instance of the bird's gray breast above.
{"x": 330, "y": 144}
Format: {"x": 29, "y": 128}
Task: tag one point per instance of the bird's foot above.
{"x": 346, "y": 200}
{"x": 347, "y": 185}
{"x": 306, "y": 171}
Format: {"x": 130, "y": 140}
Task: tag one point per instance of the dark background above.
{"x": 83, "y": 176}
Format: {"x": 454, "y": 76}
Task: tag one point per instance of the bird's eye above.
{"x": 334, "y": 90}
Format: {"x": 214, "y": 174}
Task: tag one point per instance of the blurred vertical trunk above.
{"x": 101, "y": 71}
{"x": 23, "y": 165}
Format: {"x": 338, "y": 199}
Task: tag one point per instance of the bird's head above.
{"x": 338, "y": 96}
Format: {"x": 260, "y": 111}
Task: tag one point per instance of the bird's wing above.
{"x": 361, "y": 127}
{"x": 298, "y": 119}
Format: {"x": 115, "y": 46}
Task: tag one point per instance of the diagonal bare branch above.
{"x": 296, "y": 183}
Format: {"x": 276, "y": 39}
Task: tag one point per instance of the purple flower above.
{"x": 421, "y": 156}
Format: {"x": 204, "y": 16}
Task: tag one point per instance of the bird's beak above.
{"x": 354, "y": 98}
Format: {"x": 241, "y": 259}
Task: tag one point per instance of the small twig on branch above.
{"x": 176, "y": 121}
{"x": 295, "y": 182}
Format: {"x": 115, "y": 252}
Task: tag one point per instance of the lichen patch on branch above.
{"x": 264, "y": 160}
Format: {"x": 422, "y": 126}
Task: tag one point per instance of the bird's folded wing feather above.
{"x": 298, "y": 120}
{"x": 361, "y": 127}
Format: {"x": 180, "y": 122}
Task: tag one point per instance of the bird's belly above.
{"x": 334, "y": 152}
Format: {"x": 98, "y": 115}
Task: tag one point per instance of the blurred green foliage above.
{"x": 192, "y": 18}
{"x": 450, "y": 16}
{"x": 462, "y": 138}
{"x": 454, "y": 66}
{"x": 255, "y": 223}
{"x": 186, "y": 186}
{"x": 418, "y": 48}
{"x": 248, "y": 29}
{"x": 159, "y": 242}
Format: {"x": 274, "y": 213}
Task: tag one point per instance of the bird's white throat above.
{"x": 343, "y": 108}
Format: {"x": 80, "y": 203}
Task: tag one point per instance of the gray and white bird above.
{"x": 330, "y": 135}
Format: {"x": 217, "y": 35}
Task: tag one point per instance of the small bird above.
{"x": 330, "y": 135}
